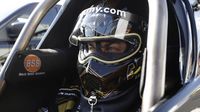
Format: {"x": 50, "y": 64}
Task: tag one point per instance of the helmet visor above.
{"x": 108, "y": 51}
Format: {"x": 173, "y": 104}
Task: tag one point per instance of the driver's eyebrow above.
{"x": 105, "y": 44}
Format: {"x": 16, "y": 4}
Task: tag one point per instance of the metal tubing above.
{"x": 156, "y": 53}
{"x": 186, "y": 95}
{"x": 27, "y": 32}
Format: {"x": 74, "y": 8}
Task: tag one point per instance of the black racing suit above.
{"x": 126, "y": 101}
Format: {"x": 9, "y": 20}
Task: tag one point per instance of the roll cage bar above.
{"x": 154, "y": 67}
{"x": 155, "y": 53}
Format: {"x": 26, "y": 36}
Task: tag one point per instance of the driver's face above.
{"x": 109, "y": 47}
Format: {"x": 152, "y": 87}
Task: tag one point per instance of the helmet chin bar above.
{"x": 104, "y": 80}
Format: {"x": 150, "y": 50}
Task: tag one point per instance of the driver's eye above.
{"x": 91, "y": 46}
{"x": 113, "y": 47}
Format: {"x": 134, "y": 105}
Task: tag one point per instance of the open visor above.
{"x": 96, "y": 31}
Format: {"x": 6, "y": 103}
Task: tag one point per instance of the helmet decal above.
{"x": 105, "y": 10}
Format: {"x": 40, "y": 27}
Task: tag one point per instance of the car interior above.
{"x": 27, "y": 93}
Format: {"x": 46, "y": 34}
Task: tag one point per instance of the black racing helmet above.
{"x": 111, "y": 43}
